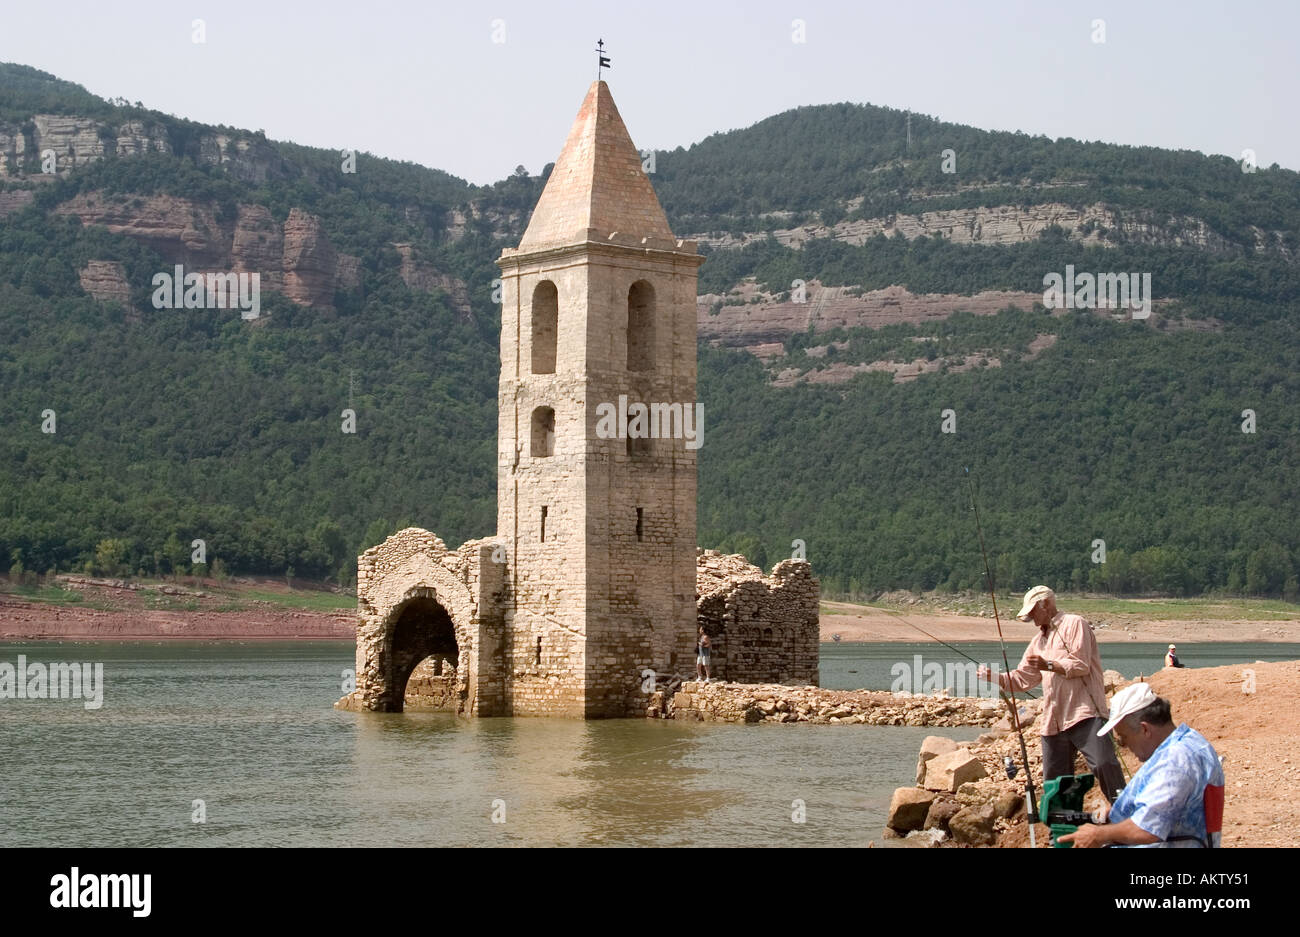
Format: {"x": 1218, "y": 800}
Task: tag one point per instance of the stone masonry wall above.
{"x": 455, "y": 594}
{"x": 763, "y": 630}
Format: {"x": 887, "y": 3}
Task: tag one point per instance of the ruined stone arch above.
{"x": 413, "y": 604}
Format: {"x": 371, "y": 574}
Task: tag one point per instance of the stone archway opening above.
{"x": 425, "y": 658}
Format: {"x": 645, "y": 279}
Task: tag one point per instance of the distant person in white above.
{"x": 1171, "y": 659}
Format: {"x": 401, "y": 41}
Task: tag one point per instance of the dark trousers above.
{"x": 1098, "y": 752}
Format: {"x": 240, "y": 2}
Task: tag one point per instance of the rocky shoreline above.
{"x": 762, "y": 702}
{"x": 962, "y": 795}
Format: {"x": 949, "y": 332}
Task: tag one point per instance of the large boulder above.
{"x": 1009, "y": 803}
{"x": 940, "y": 813}
{"x": 975, "y": 793}
{"x": 933, "y": 746}
{"x": 1112, "y": 680}
{"x": 908, "y": 809}
{"x": 951, "y": 771}
{"x": 973, "y": 825}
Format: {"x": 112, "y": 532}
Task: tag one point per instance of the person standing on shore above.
{"x": 1064, "y": 658}
{"x": 703, "y": 649}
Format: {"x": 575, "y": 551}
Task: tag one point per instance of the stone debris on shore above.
{"x": 965, "y": 789}
{"x": 750, "y": 703}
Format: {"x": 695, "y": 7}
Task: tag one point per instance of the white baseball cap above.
{"x": 1032, "y": 598}
{"x": 1128, "y": 701}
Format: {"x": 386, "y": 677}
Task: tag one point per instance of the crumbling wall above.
{"x": 418, "y": 601}
{"x": 763, "y": 629}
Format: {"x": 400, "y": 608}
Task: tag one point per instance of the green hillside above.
{"x": 176, "y": 425}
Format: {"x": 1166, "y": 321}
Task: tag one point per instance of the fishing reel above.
{"x": 1062, "y": 806}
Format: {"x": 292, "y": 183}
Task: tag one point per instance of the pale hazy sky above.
{"x": 426, "y": 82}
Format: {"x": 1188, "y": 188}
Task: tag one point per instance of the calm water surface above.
{"x": 848, "y": 666}
{"x": 249, "y": 729}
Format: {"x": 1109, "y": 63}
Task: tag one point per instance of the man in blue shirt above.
{"x": 1176, "y": 798}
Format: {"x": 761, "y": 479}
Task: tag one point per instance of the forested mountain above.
{"x": 175, "y": 425}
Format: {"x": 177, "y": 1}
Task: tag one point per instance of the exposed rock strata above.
{"x": 79, "y": 141}
{"x": 1004, "y": 224}
{"x": 419, "y": 275}
{"x": 105, "y": 280}
{"x": 297, "y": 259}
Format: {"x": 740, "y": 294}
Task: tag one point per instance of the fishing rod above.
{"x": 1010, "y": 699}
{"x": 941, "y": 641}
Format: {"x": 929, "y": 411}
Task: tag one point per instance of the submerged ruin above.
{"x": 586, "y": 603}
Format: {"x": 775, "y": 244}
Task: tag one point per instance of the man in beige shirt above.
{"x": 1063, "y": 656}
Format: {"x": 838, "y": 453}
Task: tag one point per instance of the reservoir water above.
{"x": 249, "y": 730}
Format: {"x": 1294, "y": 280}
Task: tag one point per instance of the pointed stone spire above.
{"x": 597, "y": 183}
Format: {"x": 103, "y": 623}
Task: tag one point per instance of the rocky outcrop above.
{"x": 309, "y": 261}
{"x": 761, "y": 322}
{"x": 502, "y": 224}
{"x": 1005, "y": 224}
{"x": 79, "y": 141}
{"x": 136, "y": 137}
{"x": 297, "y": 259}
{"x": 179, "y": 230}
{"x": 74, "y": 140}
{"x": 770, "y": 319}
{"x": 105, "y": 280}
{"x": 249, "y": 159}
{"x": 257, "y": 245}
{"x": 419, "y": 275}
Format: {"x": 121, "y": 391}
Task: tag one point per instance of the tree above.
{"x": 1267, "y": 570}
{"x": 111, "y": 557}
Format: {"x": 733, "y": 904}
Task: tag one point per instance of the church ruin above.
{"x": 591, "y": 592}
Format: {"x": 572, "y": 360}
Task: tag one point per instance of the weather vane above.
{"x": 600, "y": 54}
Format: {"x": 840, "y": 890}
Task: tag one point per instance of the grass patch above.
{"x": 1093, "y": 607}
{"x": 313, "y": 601}
{"x": 171, "y": 603}
{"x": 1208, "y": 609}
{"x": 54, "y": 595}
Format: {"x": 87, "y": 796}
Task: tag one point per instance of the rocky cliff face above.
{"x": 419, "y": 275}
{"x": 1005, "y": 224}
{"x": 296, "y": 258}
{"x": 106, "y": 281}
{"x": 79, "y": 141}
{"x": 768, "y": 320}
{"x": 310, "y": 264}
{"x": 761, "y": 323}
{"x": 180, "y": 230}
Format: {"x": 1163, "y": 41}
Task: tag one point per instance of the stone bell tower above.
{"x": 598, "y": 526}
